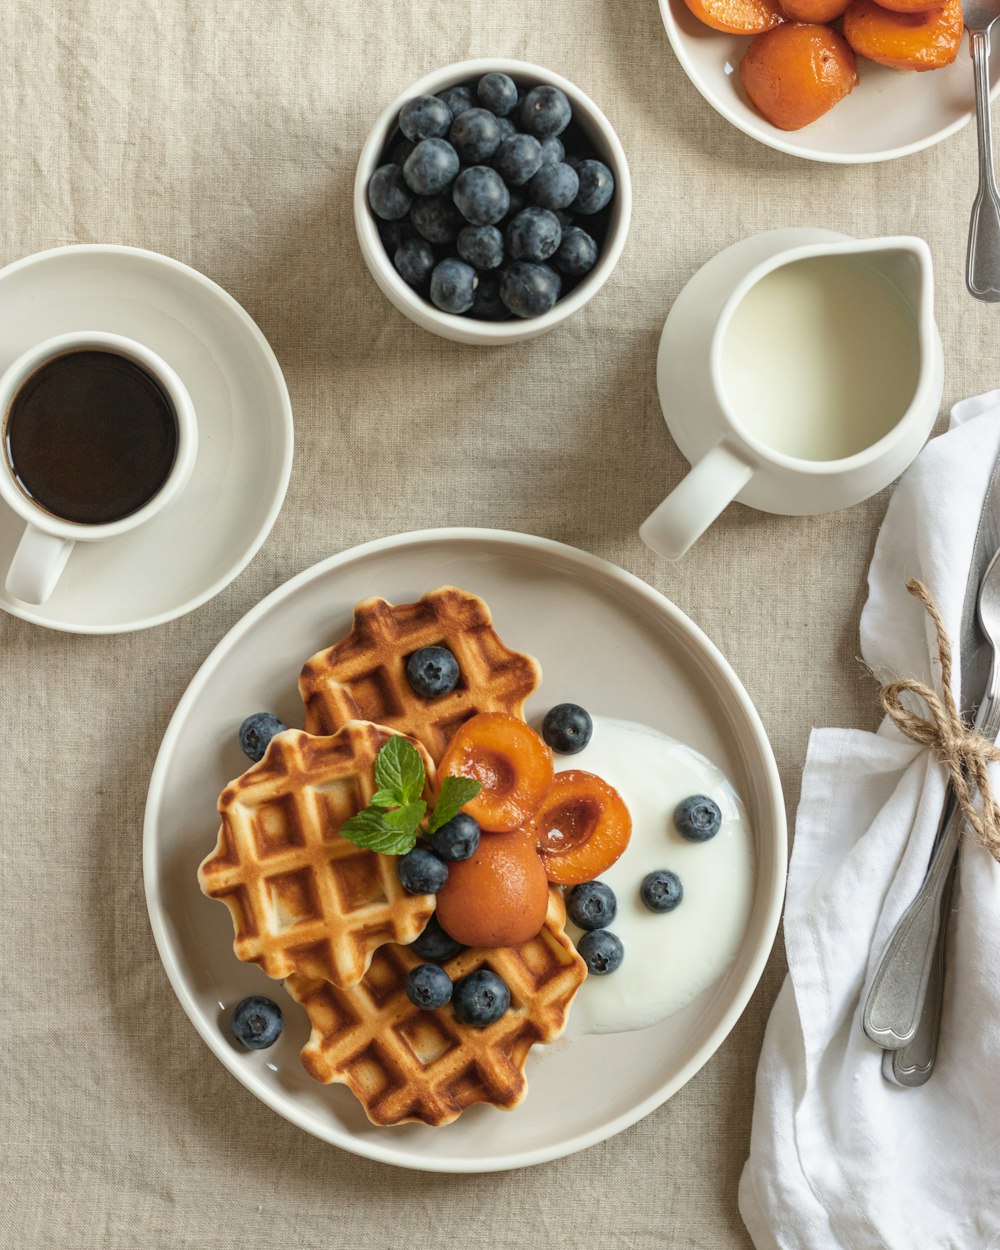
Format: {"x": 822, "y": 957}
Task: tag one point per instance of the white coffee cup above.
{"x": 799, "y": 371}
{"x": 49, "y": 539}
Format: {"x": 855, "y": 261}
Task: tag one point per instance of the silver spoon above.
{"x": 982, "y": 267}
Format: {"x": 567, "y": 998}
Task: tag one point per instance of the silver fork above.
{"x": 897, "y": 1006}
{"x": 982, "y": 266}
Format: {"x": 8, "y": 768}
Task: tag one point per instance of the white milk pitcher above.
{"x": 799, "y": 371}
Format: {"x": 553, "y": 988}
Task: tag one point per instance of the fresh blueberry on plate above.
{"x": 488, "y": 306}
{"x": 458, "y": 99}
{"x": 552, "y": 151}
{"x": 518, "y": 159}
{"x": 436, "y": 218}
{"x": 414, "y": 259}
{"x": 425, "y": 117}
{"x": 475, "y": 136}
{"x": 567, "y": 728}
{"x": 554, "y": 186}
{"x": 431, "y": 167}
{"x": 545, "y": 112}
{"x": 597, "y": 186}
{"x": 591, "y": 905}
{"x": 421, "y": 872}
{"x": 601, "y": 951}
{"x": 529, "y": 290}
{"x": 481, "y": 246}
{"x": 432, "y": 671}
{"x": 698, "y": 818}
{"x": 434, "y": 944}
{"x": 480, "y": 195}
{"x": 457, "y": 838}
{"x": 256, "y": 1022}
{"x": 534, "y": 234}
{"x": 576, "y": 254}
{"x": 498, "y": 93}
{"x": 428, "y": 986}
{"x": 453, "y": 285}
{"x": 257, "y": 731}
{"x": 388, "y": 194}
{"x": 480, "y": 998}
{"x": 661, "y": 890}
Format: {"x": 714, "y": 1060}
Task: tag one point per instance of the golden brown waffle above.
{"x": 407, "y": 1064}
{"x": 303, "y": 899}
{"x": 364, "y": 676}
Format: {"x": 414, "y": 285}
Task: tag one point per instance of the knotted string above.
{"x": 962, "y": 751}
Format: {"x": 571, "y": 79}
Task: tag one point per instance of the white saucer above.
{"x": 198, "y": 545}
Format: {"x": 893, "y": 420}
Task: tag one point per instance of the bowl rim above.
{"x": 421, "y": 310}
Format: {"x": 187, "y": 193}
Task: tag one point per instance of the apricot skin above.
{"x": 581, "y": 828}
{"x": 511, "y": 762}
{"x": 498, "y": 897}
{"x": 815, "y": 10}
{"x": 797, "y": 72}
{"x": 918, "y": 41}
{"x": 737, "y": 17}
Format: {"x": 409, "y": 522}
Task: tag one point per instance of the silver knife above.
{"x": 897, "y": 1014}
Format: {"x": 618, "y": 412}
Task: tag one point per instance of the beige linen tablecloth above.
{"x": 225, "y": 133}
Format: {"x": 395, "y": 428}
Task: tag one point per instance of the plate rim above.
{"x": 283, "y": 420}
{"x": 382, "y": 1149}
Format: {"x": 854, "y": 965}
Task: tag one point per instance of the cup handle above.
{"x": 37, "y": 565}
{"x": 691, "y": 507}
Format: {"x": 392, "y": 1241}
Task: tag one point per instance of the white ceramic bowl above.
{"x": 594, "y": 125}
{"x": 888, "y": 114}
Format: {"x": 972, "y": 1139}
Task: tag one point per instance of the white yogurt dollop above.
{"x": 670, "y": 957}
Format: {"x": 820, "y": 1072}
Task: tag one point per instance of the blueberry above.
{"x": 480, "y": 999}
{"x": 414, "y": 259}
{"x": 534, "y": 234}
{"x": 432, "y": 671}
{"x": 458, "y": 99}
{"x": 554, "y": 186}
{"x": 518, "y": 201}
{"x": 597, "y": 186}
{"x": 488, "y": 306}
{"x": 698, "y": 818}
{"x": 529, "y": 290}
{"x": 592, "y": 905}
{"x": 430, "y": 167}
{"x": 400, "y": 150}
{"x": 661, "y": 890}
{"x": 256, "y": 1022}
{"x": 475, "y": 136}
{"x": 434, "y": 943}
{"x": 481, "y": 246}
{"x": 425, "y": 117}
{"x": 498, "y": 93}
{"x": 428, "y": 986}
{"x": 480, "y": 195}
{"x": 601, "y": 951}
{"x": 507, "y": 128}
{"x": 553, "y": 151}
{"x": 421, "y": 872}
{"x": 518, "y": 159}
{"x": 577, "y": 253}
{"x": 257, "y": 731}
{"x": 388, "y": 194}
{"x": 436, "y": 218}
{"x": 457, "y": 838}
{"x": 567, "y": 728}
{"x": 453, "y": 285}
{"x": 545, "y": 111}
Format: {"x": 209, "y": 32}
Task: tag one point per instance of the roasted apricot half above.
{"x": 815, "y": 10}
{"x": 737, "y": 17}
{"x": 498, "y": 897}
{"x": 511, "y": 763}
{"x": 919, "y": 41}
{"x": 581, "y": 828}
{"x": 796, "y": 73}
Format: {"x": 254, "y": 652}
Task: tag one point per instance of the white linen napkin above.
{"x": 838, "y": 1156}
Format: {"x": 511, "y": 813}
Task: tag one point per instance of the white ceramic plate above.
{"x": 201, "y": 542}
{"x": 888, "y": 114}
{"x": 604, "y": 639}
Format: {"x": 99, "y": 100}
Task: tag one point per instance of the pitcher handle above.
{"x": 37, "y": 565}
{"x": 691, "y": 507}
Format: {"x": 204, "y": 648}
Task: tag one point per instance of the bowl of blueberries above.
{"x": 492, "y": 200}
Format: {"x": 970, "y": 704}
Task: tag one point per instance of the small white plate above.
{"x": 888, "y": 114}
{"x": 196, "y": 547}
{"x": 606, "y": 640}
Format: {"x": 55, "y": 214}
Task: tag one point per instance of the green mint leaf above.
{"x": 400, "y": 770}
{"x": 406, "y": 819}
{"x": 375, "y": 831}
{"x": 454, "y": 794}
{"x": 384, "y": 798}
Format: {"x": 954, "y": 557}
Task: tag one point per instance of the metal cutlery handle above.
{"x": 982, "y": 269}
{"x": 896, "y": 998}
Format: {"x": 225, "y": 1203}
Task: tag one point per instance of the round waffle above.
{"x": 406, "y": 1064}
{"x": 302, "y": 898}
{"x": 363, "y": 676}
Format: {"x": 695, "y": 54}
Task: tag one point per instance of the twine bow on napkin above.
{"x": 962, "y": 751}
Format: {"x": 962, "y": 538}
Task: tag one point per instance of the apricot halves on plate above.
{"x": 797, "y": 72}
{"x": 509, "y": 760}
{"x": 816, "y": 10}
{"x": 919, "y": 41}
{"x": 737, "y": 17}
{"x": 582, "y": 827}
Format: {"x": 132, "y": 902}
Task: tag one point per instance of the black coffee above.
{"x": 91, "y": 437}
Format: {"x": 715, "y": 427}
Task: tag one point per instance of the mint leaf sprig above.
{"x": 395, "y": 816}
